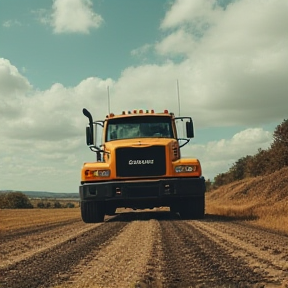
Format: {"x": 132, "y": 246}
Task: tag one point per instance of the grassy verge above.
{"x": 12, "y": 219}
{"x": 261, "y": 200}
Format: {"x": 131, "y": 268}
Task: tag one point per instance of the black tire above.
{"x": 201, "y": 208}
{"x": 92, "y": 212}
{"x": 173, "y": 209}
{"x": 110, "y": 210}
{"x": 193, "y": 208}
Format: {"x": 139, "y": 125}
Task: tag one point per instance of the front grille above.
{"x": 140, "y": 161}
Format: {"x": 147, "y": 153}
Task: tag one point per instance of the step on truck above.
{"x": 138, "y": 165}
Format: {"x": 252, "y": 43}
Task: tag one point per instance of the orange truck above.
{"x": 138, "y": 165}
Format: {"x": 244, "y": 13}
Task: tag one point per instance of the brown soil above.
{"x": 144, "y": 249}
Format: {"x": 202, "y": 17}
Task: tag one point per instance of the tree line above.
{"x": 18, "y": 200}
{"x": 264, "y": 162}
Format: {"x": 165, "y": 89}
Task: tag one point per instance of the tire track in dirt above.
{"x": 123, "y": 261}
{"x": 207, "y": 253}
{"x": 263, "y": 251}
{"x": 193, "y": 259}
{"x": 21, "y": 244}
{"x": 52, "y": 266}
{"x": 22, "y": 232}
{"x": 153, "y": 249}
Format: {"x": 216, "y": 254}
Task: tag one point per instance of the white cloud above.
{"x": 71, "y": 16}
{"x": 218, "y": 156}
{"x": 234, "y": 72}
{"x": 142, "y": 50}
{"x": 12, "y": 86}
{"x": 46, "y": 138}
{"x": 43, "y": 132}
{"x": 10, "y": 23}
{"x": 186, "y": 12}
{"x": 12, "y": 82}
{"x": 170, "y": 45}
{"x": 232, "y": 64}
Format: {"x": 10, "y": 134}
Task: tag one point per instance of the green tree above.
{"x": 15, "y": 200}
{"x": 57, "y": 204}
{"x": 70, "y": 205}
{"x": 219, "y": 180}
{"x": 279, "y": 147}
{"x": 239, "y": 168}
{"x": 208, "y": 184}
{"x": 40, "y": 204}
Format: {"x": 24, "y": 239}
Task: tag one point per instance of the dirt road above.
{"x": 144, "y": 249}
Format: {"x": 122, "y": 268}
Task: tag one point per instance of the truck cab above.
{"x": 138, "y": 165}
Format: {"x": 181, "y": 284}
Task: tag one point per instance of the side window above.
{"x": 180, "y": 126}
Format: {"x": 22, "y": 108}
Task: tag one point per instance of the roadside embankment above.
{"x": 262, "y": 200}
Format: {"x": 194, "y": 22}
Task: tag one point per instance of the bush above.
{"x": 40, "y": 204}
{"x": 14, "y": 200}
{"x": 48, "y": 205}
{"x": 57, "y": 204}
{"x": 70, "y": 205}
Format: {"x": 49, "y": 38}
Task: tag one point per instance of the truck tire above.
{"x": 92, "y": 212}
{"x": 192, "y": 208}
{"x": 173, "y": 209}
{"x": 110, "y": 210}
{"x": 199, "y": 208}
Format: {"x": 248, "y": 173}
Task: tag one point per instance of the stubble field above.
{"x": 54, "y": 248}
{"x": 241, "y": 242}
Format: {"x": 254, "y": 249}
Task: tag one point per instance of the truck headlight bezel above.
{"x": 101, "y": 173}
{"x": 185, "y": 168}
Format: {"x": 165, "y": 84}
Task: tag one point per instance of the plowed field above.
{"x": 144, "y": 249}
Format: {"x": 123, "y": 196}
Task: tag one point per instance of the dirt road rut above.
{"x": 145, "y": 249}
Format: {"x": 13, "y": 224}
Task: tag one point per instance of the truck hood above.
{"x": 138, "y": 142}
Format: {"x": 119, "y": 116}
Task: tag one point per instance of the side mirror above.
{"x": 89, "y": 129}
{"x": 189, "y": 129}
{"x": 89, "y": 137}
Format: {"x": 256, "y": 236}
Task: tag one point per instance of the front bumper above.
{"x": 158, "y": 189}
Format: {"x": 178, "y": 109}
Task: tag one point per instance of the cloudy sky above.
{"x": 230, "y": 59}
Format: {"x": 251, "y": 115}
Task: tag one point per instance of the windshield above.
{"x": 139, "y": 126}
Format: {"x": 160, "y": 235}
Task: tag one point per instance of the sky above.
{"x": 229, "y": 57}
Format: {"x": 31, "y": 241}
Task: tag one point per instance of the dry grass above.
{"x": 12, "y": 219}
{"x": 262, "y": 200}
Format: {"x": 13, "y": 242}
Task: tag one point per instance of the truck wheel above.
{"x": 110, "y": 210}
{"x": 173, "y": 209}
{"x": 193, "y": 208}
{"x": 92, "y": 212}
{"x": 186, "y": 210}
{"x": 200, "y": 210}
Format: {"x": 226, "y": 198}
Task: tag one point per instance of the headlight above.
{"x": 101, "y": 173}
{"x": 185, "y": 168}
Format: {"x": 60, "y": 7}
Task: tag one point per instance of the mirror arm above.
{"x": 185, "y": 139}
{"x": 96, "y": 149}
